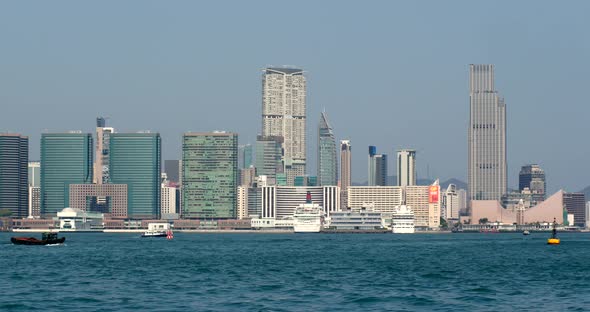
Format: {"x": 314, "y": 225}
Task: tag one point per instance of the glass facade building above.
{"x": 14, "y": 189}
{"x": 66, "y": 158}
{"x": 209, "y": 175}
{"x": 136, "y": 160}
{"x": 377, "y": 168}
{"x": 269, "y": 155}
{"x": 327, "y": 153}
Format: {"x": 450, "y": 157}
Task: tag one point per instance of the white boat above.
{"x": 402, "y": 220}
{"x": 157, "y": 230}
{"x": 308, "y": 217}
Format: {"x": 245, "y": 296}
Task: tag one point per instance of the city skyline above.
{"x": 90, "y": 79}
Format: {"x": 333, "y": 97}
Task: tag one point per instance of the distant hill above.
{"x": 586, "y": 192}
{"x": 392, "y": 180}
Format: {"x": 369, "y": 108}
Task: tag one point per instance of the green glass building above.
{"x": 327, "y": 153}
{"x": 136, "y": 160}
{"x": 209, "y": 175}
{"x": 14, "y": 191}
{"x": 66, "y": 158}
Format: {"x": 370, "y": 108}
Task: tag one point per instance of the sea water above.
{"x": 297, "y": 272}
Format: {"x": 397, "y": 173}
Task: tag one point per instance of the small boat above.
{"x": 553, "y": 240}
{"x": 157, "y": 230}
{"x": 46, "y": 239}
{"x": 526, "y": 232}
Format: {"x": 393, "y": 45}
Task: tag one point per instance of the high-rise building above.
{"x": 34, "y": 173}
{"x": 66, "y": 158}
{"x": 283, "y": 114}
{"x": 136, "y": 160}
{"x": 575, "y": 203}
{"x": 14, "y": 158}
{"x": 269, "y": 153}
{"x": 242, "y": 202}
{"x": 34, "y": 189}
{"x": 345, "y": 171}
{"x": 101, "y": 153}
{"x": 377, "y": 168}
{"x": 210, "y": 175}
{"x": 486, "y": 136}
{"x": 450, "y": 203}
{"x": 168, "y": 199}
{"x": 533, "y": 177}
{"x": 327, "y": 153}
{"x": 172, "y": 169}
{"x": 247, "y": 176}
{"x": 245, "y": 156}
{"x": 406, "y": 167}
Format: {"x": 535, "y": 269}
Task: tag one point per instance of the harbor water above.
{"x": 297, "y": 272}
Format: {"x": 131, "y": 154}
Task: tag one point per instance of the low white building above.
{"x": 73, "y": 219}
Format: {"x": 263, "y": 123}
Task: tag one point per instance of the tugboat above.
{"x": 554, "y": 240}
{"x": 46, "y": 239}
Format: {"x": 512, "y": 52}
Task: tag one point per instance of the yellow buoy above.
{"x": 553, "y": 241}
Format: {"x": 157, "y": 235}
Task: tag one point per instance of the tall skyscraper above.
{"x": 66, "y": 158}
{"x": 101, "y": 153}
{"x": 575, "y": 203}
{"x": 377, "y": 168}
{"x": 269, "y": 160}
{"x": 486, "y": 136}
{"x": 14, "y": 190}
{"x": 327, "y": 153}
{"x": 136, "y": 160}
{"x": 283, "y": 114}
{"x": 209, "y": 175}
{"x": 345, "y": 172}
{"x": 533, "y": 178}
{"x": 245, "y": 154}
{"x": 406, "y": 167}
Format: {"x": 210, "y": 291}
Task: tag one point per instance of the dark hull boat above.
{"x": 48, "y": 239}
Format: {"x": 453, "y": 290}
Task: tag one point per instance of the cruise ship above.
{"x": 308, "y": 217}
{"x": 402, "y": 220}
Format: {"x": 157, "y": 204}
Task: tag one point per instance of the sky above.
{"x": 393, "y": 74}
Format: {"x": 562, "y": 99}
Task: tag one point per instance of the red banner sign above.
{"x": 433, "y": 194}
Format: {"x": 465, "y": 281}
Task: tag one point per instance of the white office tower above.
{"x": 406, "y": 167}
{"x": 167, "y": 199}
{"x": 486, "y": 136}
{"x": 402, "y": 220}
{"x": 284, "y": 115}
{"x": 450, "y": 203}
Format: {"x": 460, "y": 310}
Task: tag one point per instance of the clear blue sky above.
{"x": 389, "y": 73}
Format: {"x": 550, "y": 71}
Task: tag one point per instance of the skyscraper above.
{"x": 245, "y": 153}
{"x": 14, "y": 190}
{"x": 101, "y": 153}
{"x": 283, "y": 114}
{"x": 136, "y": 160}
{"x": 377, "y": 168}
{"x": 269, "y": 153}
{"x": 533, "y": 178}
{"x": 209, "y": 175}
{"x": 327, "y": 153}
{"x": 486, "y": 136}
{"x": 345, "y": 172}
{"x": 406, "y": 167}
{"x": 66, "y": 158}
